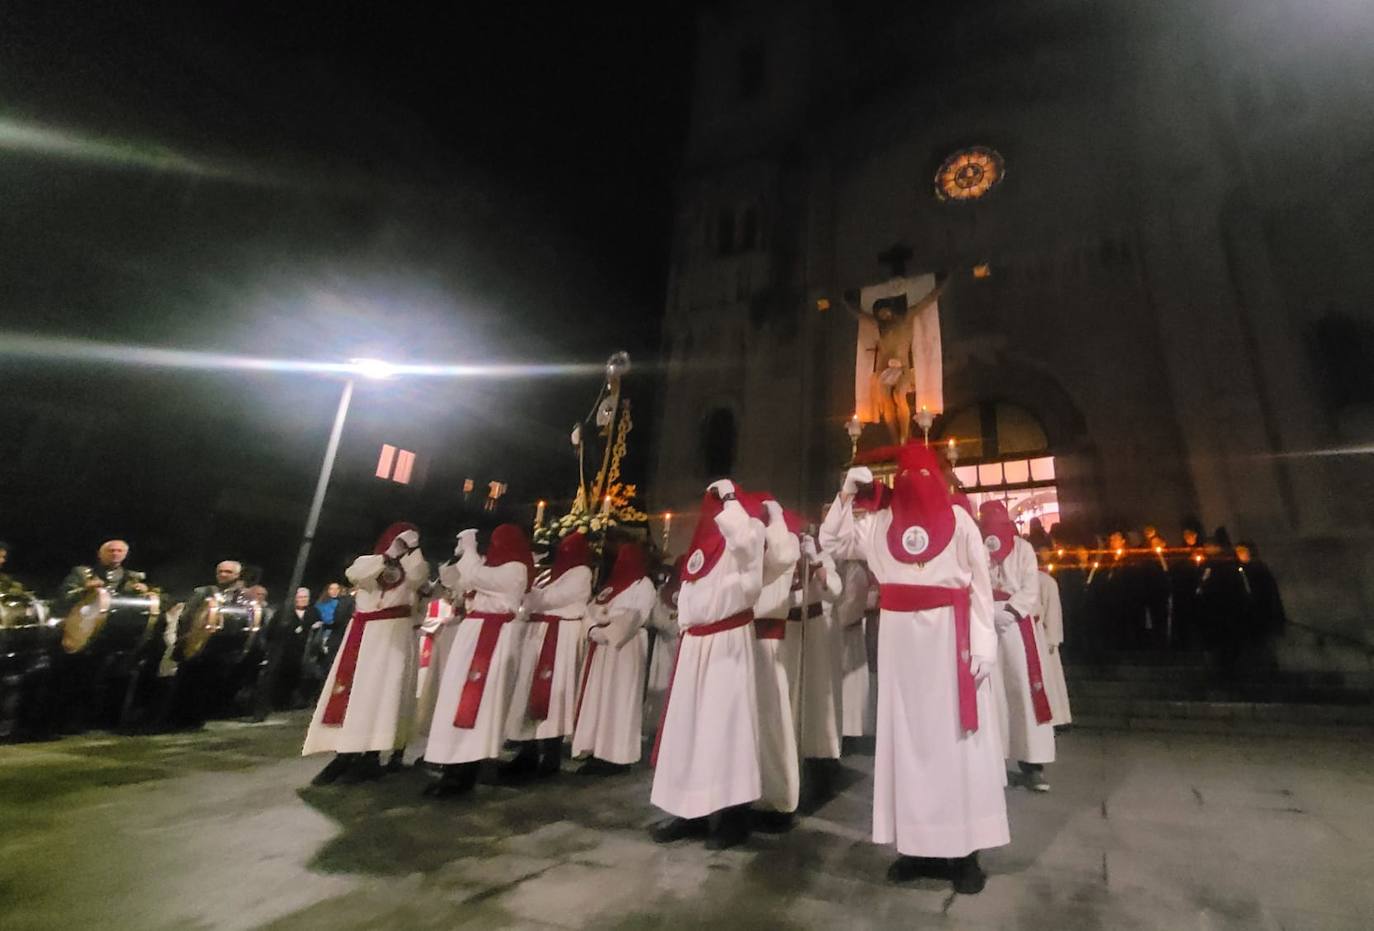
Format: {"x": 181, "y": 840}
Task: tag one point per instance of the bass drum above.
{"x": 24, "y": 624}
{"x": 107, "y": 622}
{"x": 224, "y": 626}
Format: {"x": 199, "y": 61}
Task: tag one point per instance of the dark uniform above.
{"x": 204, "y": 683}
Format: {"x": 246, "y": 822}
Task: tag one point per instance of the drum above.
{"x": 228, "y": 625}
{"x": 110, "y": 622}
{"x": 25, "y": 625}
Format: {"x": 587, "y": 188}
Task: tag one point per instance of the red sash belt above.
{"x": 1040, "y": 701}
{"x": 701, "y": 630}
{"x": 470, "y": 702}
{"x": 911, "y": 598}
{"x": 337, "y": 706}
{"x": 814, "y": 610}
{"x": 542, "y": 687}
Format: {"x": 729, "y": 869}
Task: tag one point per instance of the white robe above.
{"x": 937, "y": 791}
{"x": 663, "y": 619}
{"x": 856, "y": 703}
{"x": 708, "y": 756}
{"x": 1050, "y": 615}
{"x": 1023, "y": 738}
{"x": 567, "y": 598}
{"x": 439, "y": 627}
{"x": 381, "y": 706}
{"x": 498, "y": 590}
{"x": 777, "y": 674}
{"x": 822, "y": 673}
{"x": 609, "y": 723}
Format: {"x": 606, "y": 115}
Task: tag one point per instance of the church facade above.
{"x": 1158, "y": 305}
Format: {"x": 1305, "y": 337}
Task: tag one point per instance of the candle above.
{"x": 606, "y": 506}
{"x": 667, "y": 526}
{"x": 539, "y": 515}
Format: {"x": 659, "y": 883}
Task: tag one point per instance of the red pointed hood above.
{"x": 390, "y": 534}
{"x": 795, "y": 522}
{"x": 922, "y": 516}
{"x": 573, "y": 551}
{"x": 708, "y": 544}
{"x": 999, "y": 531}
{"x": 509, "y": 544}
{"x": 629, "y": 569}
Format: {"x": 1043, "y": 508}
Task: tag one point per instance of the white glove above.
{"x": 808, "y": 548}
{"x": 722, "y": 487}
{"x": 576, "y": 436}
{"x": 467, "y": 542}
{"x": 859, "y": 475}
{"x": 981, "y": 667}
{"x": 404, "y": 543}
{"x": 774, "y": 511}
{"x": 598, "y": 635}
{"x": 1003, "y": 619}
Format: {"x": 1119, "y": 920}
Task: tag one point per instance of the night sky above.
{"x": 311, "y": 180}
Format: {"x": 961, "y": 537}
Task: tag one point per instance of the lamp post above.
{"x": 367, "y": 368}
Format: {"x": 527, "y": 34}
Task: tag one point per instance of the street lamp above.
{"x": 373, "y": 369}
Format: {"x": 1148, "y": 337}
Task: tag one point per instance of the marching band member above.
{"x": 609, "y": 708}
{"x": 707, "y": 746}
{"x": 778, "y": 659}
{"x": 1027, "y": 734}
{"x": 819, "y": 711}
{"x": 855, "y": 594}
{"x": 204, "y": 681}
{"x": 663, "y": 620}
{"x": 478, "y": 679}
{"x": 368, "y": 702}
{"x": 1049, "y": 616}
{"x": 937, "y": 776}
{"x": 544, "y": 707}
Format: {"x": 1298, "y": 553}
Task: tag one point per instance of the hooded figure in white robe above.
{"x": 609, "y": 707}
{"x": 819, "y": 709}
{"x": 478, "y": 680}
{"x": 1027, "y": 733}
{"x": 368, "y": 701}
{"x": 1050, "y": 618}
{"x": 707, "y": 746}
{"x": 937, "y": 769}
{"x": 857, "y": 705}
{"x": 544, "y": 708}
{"x": 777, "y": 673}
{"x": 437, "y": 632}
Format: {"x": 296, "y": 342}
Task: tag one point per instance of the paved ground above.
{"x": 212, "y": 830}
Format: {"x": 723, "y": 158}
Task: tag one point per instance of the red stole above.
{"x": 911, "y": 598}
{"x": 470, "y": 702}
{"x": 337, "y": 707}
{"x": 1040, "y": 701}
{"x": 542, "y": 686}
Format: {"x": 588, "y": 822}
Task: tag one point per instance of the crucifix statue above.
{"x": 899, "y": 350}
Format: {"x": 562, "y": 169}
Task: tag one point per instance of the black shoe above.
{"x": 906, "y": 869}
{"x": 676, "y": 829}
{"x": 968, "y": 876}
{"x": 367, "y": 768}
{"x": 550, "y": 757}
{"x": 772, "y": 822}
{"x": 397, "y": 763}
{"x": 456, "y": 780}
{"x": 731, "y": 829}
{"x": 336, "y": 768}
{"x": 524, "y": 766}
{"x": 599, "y": 767}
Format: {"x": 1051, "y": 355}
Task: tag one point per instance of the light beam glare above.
{"x": 61, "y": 349}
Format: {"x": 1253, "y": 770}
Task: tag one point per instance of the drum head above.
{"x": 85, "y": 619}
{"x": 202, "y": 627}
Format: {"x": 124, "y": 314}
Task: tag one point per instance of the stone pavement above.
{"x": 213, "y": 830}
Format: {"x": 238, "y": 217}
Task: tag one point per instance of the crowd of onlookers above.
{"x": 1132, "y": 589}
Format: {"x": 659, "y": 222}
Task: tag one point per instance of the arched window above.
{"x": 719, "y": 439}
{"x": 1003, "y": 452}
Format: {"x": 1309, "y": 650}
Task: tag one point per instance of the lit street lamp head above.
{"x": 375, "y": 369}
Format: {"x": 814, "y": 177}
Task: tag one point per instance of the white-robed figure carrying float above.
{"x": 368, "y": 701}
{"x": 543, "y": 710}
{"x": 610, "y": 701}
{"x": 1049, "y": 616}
{"x": 478, "y": 679}
{"x": 937, "y": 770}
{"x": 707, "y": 747}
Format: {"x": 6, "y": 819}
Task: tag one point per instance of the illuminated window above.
{"x": 1002, "y": 456}
{"x": 968, "y": 174}
{"x": 395, "y": 464}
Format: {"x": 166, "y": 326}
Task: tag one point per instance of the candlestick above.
{"x": 667, "y": 527}
{"x": 606, "y": 506}
{"x": 539, "y": 515}
{"x": 855, "y": 428}
{"x": 924, "y": 419}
